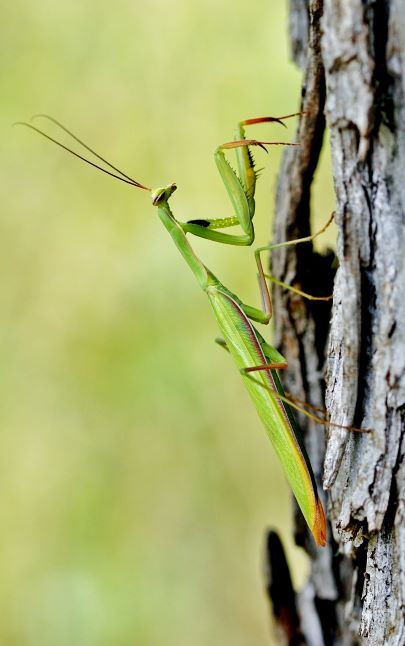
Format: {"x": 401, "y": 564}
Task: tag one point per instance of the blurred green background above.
{"x": 136, "y": 480}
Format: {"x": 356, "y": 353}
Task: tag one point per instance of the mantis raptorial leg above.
{"x": 240, "y": 186}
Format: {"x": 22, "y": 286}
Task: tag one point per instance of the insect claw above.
{"x": 250, "y": 122}
{"x": 262, "y": 146}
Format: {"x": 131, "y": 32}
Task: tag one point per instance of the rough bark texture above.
{"x": 353, "y": 57}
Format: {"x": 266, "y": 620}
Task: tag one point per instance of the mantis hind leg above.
{"x": 298, "y": 405}
{"x": 275, "y": 359}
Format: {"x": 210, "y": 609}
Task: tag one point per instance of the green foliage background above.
{"x": 136, "y": 481}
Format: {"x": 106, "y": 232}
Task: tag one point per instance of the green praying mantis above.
{"x": 249, "y": 350}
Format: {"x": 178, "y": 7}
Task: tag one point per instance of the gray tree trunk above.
{"x": 352, "y": 53}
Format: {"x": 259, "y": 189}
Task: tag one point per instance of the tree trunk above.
{"x": 353, "y": 56}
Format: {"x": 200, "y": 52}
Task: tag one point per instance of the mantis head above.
{"x": 160, "y": 195}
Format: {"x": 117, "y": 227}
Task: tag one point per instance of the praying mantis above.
{"x": 257, "y": 360}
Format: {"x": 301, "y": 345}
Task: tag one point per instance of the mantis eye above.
{"x": 163, "y": 194}
{"x": 158, "y": 196}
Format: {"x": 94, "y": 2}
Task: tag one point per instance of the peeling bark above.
{"x": 353, "y": 55}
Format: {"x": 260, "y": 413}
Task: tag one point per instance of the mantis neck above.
{"x": 178, "y": 236}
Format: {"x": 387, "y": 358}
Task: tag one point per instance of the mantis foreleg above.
{"x": 240, "y": 187}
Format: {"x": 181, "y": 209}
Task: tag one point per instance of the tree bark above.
{"x": 352, "y": 53}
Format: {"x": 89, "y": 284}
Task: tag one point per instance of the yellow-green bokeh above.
{"x": 136, "y": 481}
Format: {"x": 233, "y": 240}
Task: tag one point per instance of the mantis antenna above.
{"x": 123, "y": 177}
